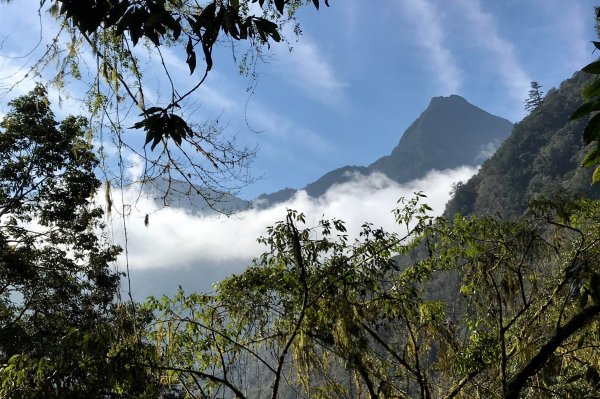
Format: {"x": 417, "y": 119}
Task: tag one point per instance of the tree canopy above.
{"x": 62, "y": 332}
{"x": 474, "y": 307}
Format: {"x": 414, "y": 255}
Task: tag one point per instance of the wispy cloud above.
{"x": 572, "y": 28}
{"x": 179, "y": 243}
{"x": 484, "y": 31}
{"x": 285, "y": 133}
{"x": 307, "y": 68}
{"x": 430, "y": 36}
{"x": 574, "y": 31}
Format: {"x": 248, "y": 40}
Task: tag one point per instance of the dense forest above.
{"x": 541, "y": 158}
{"x": 499, "y": 298}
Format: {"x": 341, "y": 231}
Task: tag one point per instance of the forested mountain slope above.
{"x": 539, "y": 159}
{"x": 450, "y": 133}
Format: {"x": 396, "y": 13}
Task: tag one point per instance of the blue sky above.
{"x": 362, "y": 72}
{"x": 359, "y": 75}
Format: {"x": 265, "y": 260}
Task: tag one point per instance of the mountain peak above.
{"x": 453, "y": 104}
{"x": 448, "y": 99}
{"x": 451, "y": 132}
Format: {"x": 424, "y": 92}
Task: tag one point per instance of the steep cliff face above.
{"x": 450, "y": 133}
{"x": 540, "y": 158}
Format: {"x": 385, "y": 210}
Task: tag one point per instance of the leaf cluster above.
{"x": 320, "y": 315}
{"x": 591, "y": 134}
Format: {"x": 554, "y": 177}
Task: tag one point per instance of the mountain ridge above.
{"x": 449, "y": 133}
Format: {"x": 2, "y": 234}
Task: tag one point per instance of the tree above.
{"x": 114, "y": 31}
{"x": 62, "y": 333}
{"x": 535, "y": 98}
{"x": 476, "y": 307}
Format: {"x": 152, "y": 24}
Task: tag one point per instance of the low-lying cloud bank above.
{"x": 182, "y": 248}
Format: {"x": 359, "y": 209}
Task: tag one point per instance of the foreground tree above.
{"x": 473, "y": 308}
{"x": 126, "y": 36}
{"x": 62, "y": 333}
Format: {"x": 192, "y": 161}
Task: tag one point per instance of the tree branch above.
{"x": 577, "y": 322}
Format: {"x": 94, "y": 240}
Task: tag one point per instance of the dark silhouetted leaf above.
{"x": 592, "y": 130}
{"x": 594, "y": 68}
{"x": 279, "y": 5}
{"x": 149, "y": 137}
{"x": 208, "y": 14}
{"x": 191, "y": 56}
{"x": 207, "y": 55}
{"x": 586, "y": 109}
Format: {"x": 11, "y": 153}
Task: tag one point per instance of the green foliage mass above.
{"x": 591, "y": 93}
{"x": 61, "y": 332}
{"x": 321, "y": 316}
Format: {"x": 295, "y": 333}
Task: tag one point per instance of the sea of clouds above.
{"x": 194, "y": 250}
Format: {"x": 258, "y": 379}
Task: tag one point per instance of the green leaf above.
{"x": 586, "y": 109}
{"x": 592, "y": 130}
{"x": 594, "y": 68}
{"x": 592, "y": 90}
{"x": 596, "y": 175}
{"x": 592, "y": 158}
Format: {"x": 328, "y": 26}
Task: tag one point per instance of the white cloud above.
{"x": 177, "y": 241}
{"x": 574, "y": 31}
{"x": 307, "y": 68}
{"x": 484, "y": 32}
{"x": 430, "y": 36}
